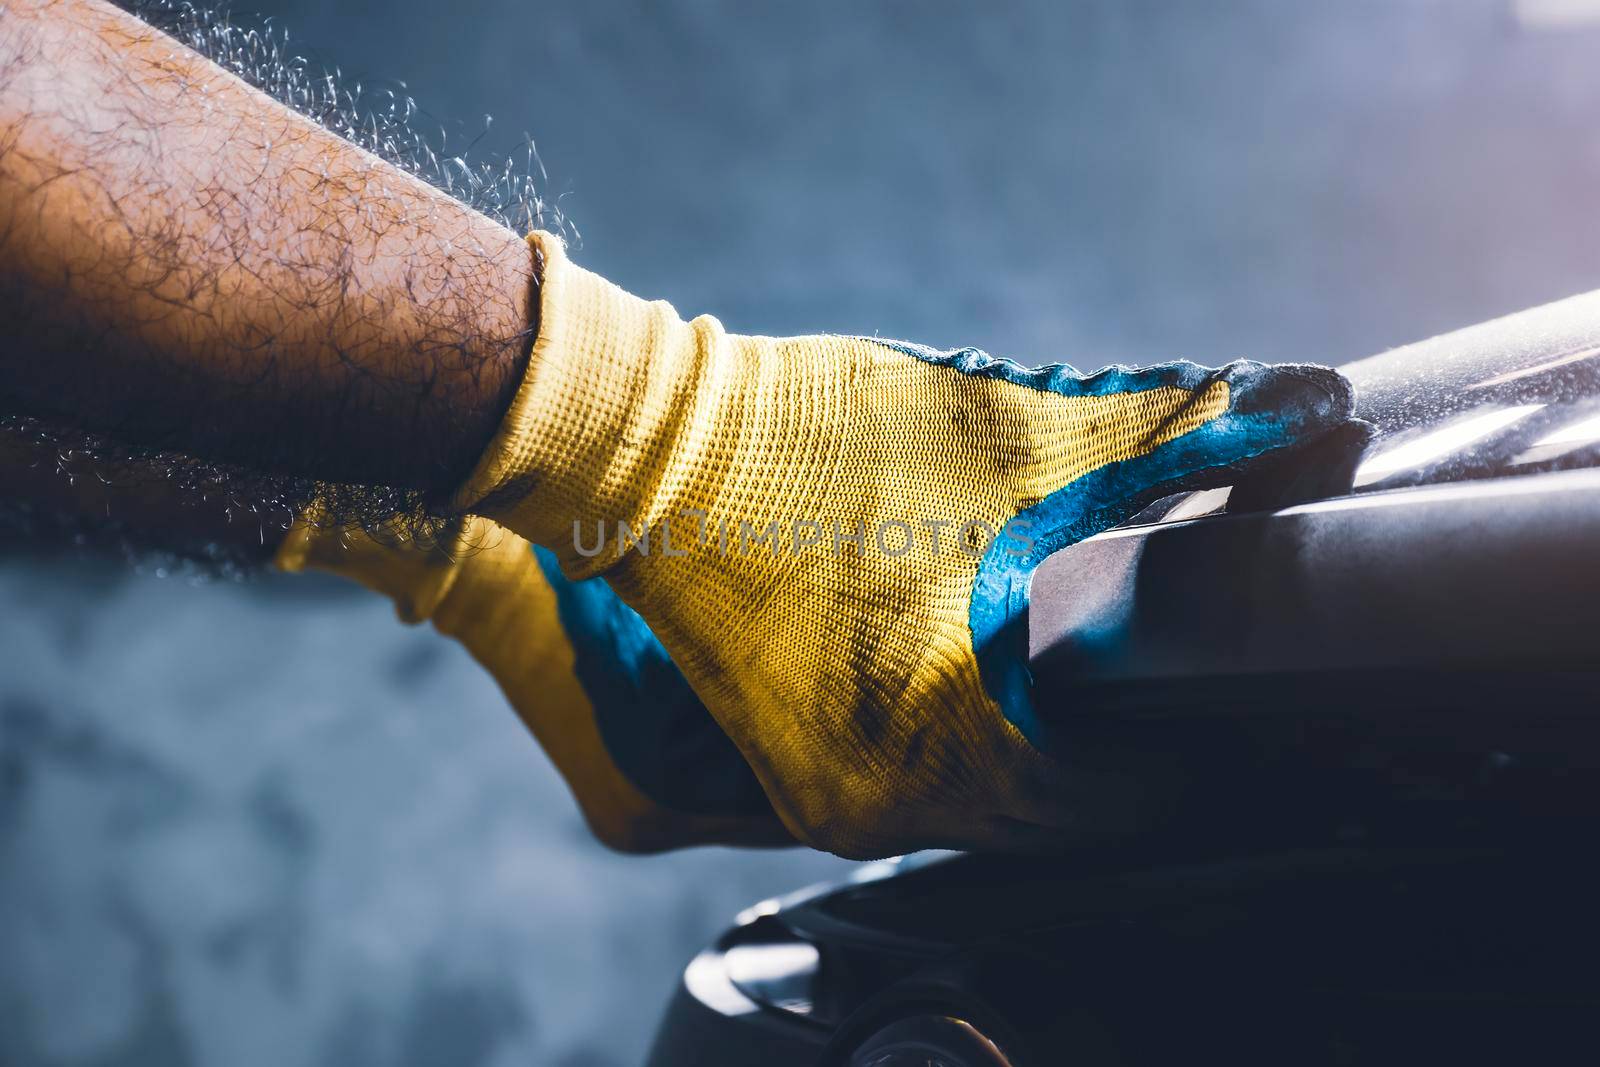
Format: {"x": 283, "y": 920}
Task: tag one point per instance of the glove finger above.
{"x": 653, "y": 725}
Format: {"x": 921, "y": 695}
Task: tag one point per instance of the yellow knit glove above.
{"x": 833, "y": 537}
{"x": 648, "y": 766}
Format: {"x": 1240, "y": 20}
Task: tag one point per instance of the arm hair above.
{"x": 187, "y": 265}
{"x": 62, "y": 486}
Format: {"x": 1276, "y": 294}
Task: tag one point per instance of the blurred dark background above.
{"x": 263, "y": 823}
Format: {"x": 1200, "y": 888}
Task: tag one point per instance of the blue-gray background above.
{"x": 264, "y": 823}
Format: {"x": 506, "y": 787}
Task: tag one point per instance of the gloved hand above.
{"x": 648, "y": 765}
{"x": 833, "y": 537}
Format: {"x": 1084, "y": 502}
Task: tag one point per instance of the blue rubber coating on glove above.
{"x": 657, "y": 731}
{"x": 1271, "y": 408}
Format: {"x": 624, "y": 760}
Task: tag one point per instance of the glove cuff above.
{"x": 599, "y": 413}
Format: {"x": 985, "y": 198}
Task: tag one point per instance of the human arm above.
{"x": 189, "y": 265}
{"x": 883, "y": 702}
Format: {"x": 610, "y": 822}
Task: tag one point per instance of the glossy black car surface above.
{"x": 1342, "y": 728}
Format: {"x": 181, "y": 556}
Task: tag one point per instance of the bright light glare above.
{"x": 757, "y": 911}
{"x": 1574, "y": 433}
{"x": 1198, "y": 504}
{"x": 706, "y": 979}
{"x": 778, "y": 974}
{"x": 1559, "y": 442}
{"x": 1439, "y": 443}
{"x": 781, "y": 961}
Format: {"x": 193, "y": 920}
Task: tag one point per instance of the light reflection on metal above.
{"x": 777, "y": 974}
{"x": 1539, "y": 368}
{"x": 1578, "y": 481}
{"x": 758, "y": 910}
{"x": 1440, "y": 443}
{"x": 873, "y": 870}
{"x": 1575, "y": 433}
{"x": 1195, "y": 505}
{"x": 707, "y": 980}
{"x": 1568, "y": 438}
{"x": 1557, "y": 14}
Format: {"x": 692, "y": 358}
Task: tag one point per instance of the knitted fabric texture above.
{"x": 832, "y": 536}
{"x": 484, "y": 587}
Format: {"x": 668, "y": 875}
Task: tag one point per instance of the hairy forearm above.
{"x": 187, "y": 264}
